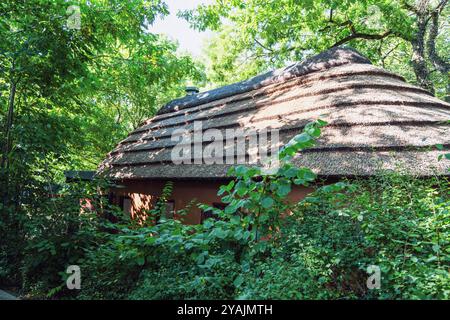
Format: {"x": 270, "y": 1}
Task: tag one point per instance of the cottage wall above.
{"x": 142, "y": 195}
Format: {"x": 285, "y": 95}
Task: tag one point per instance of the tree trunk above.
{"x": 9, "y": 121}
{"x": 418, "y": 57}
{"x": 447, "y": 93}
{"x": 440, "y": 64}
{"x": 7, "y": 143}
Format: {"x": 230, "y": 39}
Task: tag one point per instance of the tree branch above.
{"x": 358, "y": 35}
{"x": 384, "y": 57}
{"x": 438, "y": 62}
{"x": 440, "y": 6}
{"x": 263, "y": 46}
{"x": 409, "y": 7}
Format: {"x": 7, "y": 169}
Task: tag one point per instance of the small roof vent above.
{"x": 191, "y": 91}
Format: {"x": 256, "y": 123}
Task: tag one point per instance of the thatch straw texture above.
{"x": 376, "y": 121}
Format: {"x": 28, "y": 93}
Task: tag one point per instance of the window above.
{"x": 210, "y": 214}
{"x": 125, "y": 204}
{"x": 170, "y": 209}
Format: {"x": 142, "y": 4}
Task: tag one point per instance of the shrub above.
{"x": 398, "y": 223}
{"x": 59, "y": 233}
{"x": 175, "y": 261}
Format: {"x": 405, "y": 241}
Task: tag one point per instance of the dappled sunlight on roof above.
{"x": 375, "y": 120}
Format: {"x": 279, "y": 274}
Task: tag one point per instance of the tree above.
{"x": 69, "y": 72}
{"x": 136, "y": 78}
{"x": 66, "y": 65}
{"x": 405, "y": 34}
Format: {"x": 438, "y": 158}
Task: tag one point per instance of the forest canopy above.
{"x": 69, "y": 94}
{"x": 408, "y": 37}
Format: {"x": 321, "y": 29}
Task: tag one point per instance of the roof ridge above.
{"x": 325, "y": 60}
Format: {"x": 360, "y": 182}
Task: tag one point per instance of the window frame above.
{"x": 209, "y": 214}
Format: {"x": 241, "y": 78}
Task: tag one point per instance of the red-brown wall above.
{"x": 144, "y": 194}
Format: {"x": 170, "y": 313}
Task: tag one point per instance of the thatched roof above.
{"x": 375, "y": 121}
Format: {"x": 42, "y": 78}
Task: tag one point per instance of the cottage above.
{"x": 375, "y": 121}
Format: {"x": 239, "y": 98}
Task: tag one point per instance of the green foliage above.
{"x": 55, "y": 233}
{"x": 319, "y": 249}
{"x": 258, "y": 35}
{"x": 257, "y": 196}
{"x": 169, "y": 260}
{"x": 88, "y": 87}
{"x": 397, "y": 223}
{"x": 72, "y": 95}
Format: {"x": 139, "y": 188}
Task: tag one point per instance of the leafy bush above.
{"x": 47, "y": 234}
{"x": 58, "y": 241}
{"x": 169, "y": 260}
{"x": 398, "y": 223}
